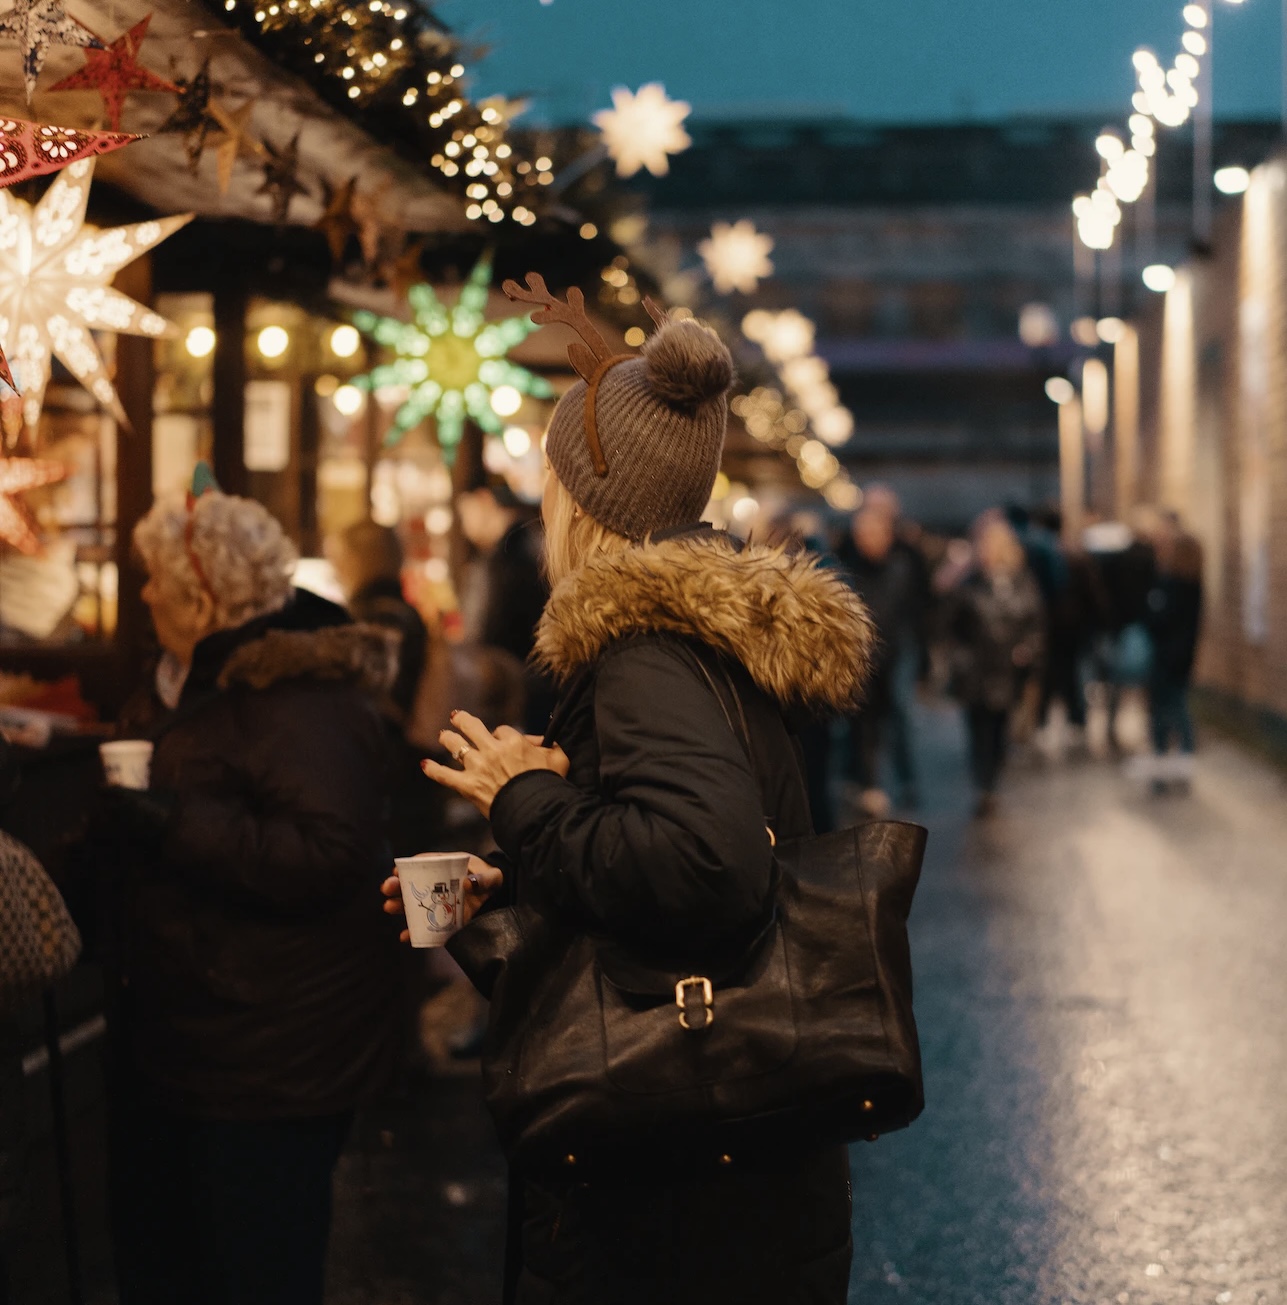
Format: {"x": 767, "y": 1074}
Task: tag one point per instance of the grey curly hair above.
{"x": 244, "y": 558}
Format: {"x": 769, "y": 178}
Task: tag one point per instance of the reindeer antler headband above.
{"x": 591, "y": 357}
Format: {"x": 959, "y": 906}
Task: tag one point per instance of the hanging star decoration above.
{"x": 192, "y": 118}
{"x": 452, "y": 360}
{"x": 371, "y": 212}
{"x": 17, "y": 475}
{"x": 30, "y": 149}
{"x": 55, "y": 287}
{"x": 338, "y": 221}
{"x": 114, "y": 72}
{"x": 38, "y": 24}
{"x": 643, "y": 129}
{"x": 236, "y": 141}
{"x": 404, "y": 271}
{"x": 736, "y": 256}
{"x": 281, "y": 177}
{"x": 6, "y": 375}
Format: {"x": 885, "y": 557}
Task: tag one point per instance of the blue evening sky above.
{"x": 883, "y": 60}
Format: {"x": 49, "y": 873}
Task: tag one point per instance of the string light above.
{"x": 393, "y": 60}
{"x": 1164, "y": 97}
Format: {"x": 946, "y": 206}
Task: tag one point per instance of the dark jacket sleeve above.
{"x": 299, "y": 828}
{"x": 672, "y": 848}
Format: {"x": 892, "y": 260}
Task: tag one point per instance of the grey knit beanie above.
{"x": 637, "y": 441}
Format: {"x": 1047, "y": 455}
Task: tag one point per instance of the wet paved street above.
{"x": 1100, "y": 994}
{"x": 1100, "y": 989}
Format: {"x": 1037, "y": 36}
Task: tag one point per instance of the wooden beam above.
{"x": 229, "y": 406}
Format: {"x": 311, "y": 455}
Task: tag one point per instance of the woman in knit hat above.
{"x": 644, "y": 823}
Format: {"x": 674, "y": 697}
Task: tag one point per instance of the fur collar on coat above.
{"x": 802, "y": 634}
{"x": 366, "y": 654}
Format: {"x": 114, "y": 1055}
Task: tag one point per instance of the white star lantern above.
{"x": 737, "y": 256}
{"x": 55, "y": 275}
{"x": 643, "y": 129}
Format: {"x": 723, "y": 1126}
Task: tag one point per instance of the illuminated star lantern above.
{"x": 6, "y": 376}
{"x": 38, "y": 24}
{"x": 736, "y": 256}
{"x": 453, "y": 362}
{"x": 17, "y": 475}
{"x": 114, "y": 71}
{"x": 643, "y": 129}
{"x": 55, "y": 287}
{"x": 30, "y": 149}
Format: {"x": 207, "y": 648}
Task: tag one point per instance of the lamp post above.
{"x": 1200, "y": 16}
{"x": 1204, "y": 128}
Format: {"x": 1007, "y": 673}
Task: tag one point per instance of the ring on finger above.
{"x": 459, "y": 754}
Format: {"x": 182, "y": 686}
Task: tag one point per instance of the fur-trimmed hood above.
{"x": 367, "y": 654}
{"x": 802, "y": 634}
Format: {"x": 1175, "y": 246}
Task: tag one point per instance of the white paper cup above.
{"x": 127, "y": 763}
{"x": 433, "y": 894}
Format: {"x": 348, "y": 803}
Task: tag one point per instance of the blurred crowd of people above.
{"x": 1010, "y": 620}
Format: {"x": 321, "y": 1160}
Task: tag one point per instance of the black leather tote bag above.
{"x": 594, "y": 1049}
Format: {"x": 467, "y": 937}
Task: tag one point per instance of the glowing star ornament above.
{"x": 736, "y": 257}
{"x": 55, "y": 287}
{"x": 38, "y": 24}
{"x": 114, "y": 72}
{"x": 29, "y": 149}
{"x": 452, "y": 360}
{"x": 17, "y": 475}
{"x": 643, "y": 129}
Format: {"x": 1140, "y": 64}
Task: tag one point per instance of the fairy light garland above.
{"x": 390, "y": 65}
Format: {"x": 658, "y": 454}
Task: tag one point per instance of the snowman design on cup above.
{"x": 439, "y": 906}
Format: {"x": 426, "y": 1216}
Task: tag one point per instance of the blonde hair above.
{"x": 243, "y": 559}
{"x": 572, "y": 537}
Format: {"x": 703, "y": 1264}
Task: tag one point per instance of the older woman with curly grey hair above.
{"x": 258, "y": 978}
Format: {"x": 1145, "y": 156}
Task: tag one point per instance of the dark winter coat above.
{"x": 1128, "y": 576}
{"x": 896, "y": 596}
{"x": 382, "y": 603}
{"x": 1174, "y": 619}
{"x": 995, "y": 625}
{"x": 658, "y": 835}
{"x": 263, "y": 974}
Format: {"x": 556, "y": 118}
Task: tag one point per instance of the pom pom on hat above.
{"x": 687, "y": 366}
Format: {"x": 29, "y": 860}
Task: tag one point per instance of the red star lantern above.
{"x": 5, "y": 374}
{"x": 28, "y": 149}
{"x": 17, "y": 475}
{"x": 114, "y": 72}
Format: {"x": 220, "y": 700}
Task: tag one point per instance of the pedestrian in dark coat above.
{"x": 259, "y": 991}
{"x": 646, "y": 823}
{"x": 995, "y": 625}
{"x": 885, "y": 574}
{"x": 1174, "y": 621}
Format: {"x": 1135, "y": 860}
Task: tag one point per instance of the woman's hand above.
{"x": 488, "y": 761}
{"x": 482, "y": 882}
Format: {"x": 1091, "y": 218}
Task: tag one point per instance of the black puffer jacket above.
{"x": 658, "y": 835}
{"x": 263, "y": 975}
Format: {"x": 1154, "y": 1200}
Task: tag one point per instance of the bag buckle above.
{"x": 682, "y": 990}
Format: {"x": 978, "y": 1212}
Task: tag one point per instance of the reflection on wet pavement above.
{"x": 1099, "y": 991}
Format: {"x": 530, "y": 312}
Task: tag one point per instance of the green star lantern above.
{"x": 453, "y": 362}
